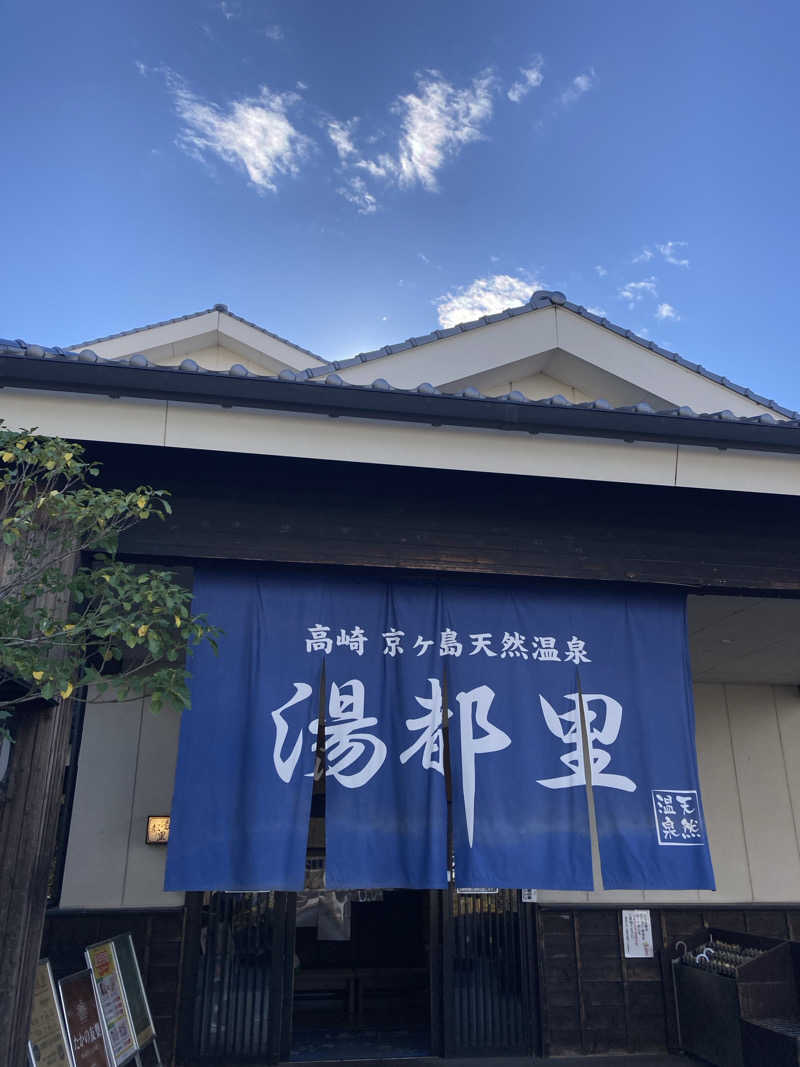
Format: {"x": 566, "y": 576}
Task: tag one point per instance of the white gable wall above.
{"x": 577, "y": 352}
{"x": 172, "y": 342}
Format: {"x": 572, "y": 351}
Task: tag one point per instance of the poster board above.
{"x": 111, "y": 1000}
{"x": 48, "y": 1044}
{"x": 637, "y": 933}
{"x": 133, "y": 986}
{"x": 85, "y": 1030}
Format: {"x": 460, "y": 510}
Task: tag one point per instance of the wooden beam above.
{"x": 269, "y": 509}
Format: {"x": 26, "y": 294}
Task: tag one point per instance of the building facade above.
{"x": 541, "y": 443}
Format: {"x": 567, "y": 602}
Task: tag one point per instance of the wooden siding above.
{"x": 593, "y": 1000}
{"x": 261, "y": 508}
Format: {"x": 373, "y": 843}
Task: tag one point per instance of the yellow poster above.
{"x": 47, "y": 1042}
{"x": 103, "y": 963}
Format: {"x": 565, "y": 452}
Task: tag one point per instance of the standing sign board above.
{"x": 48, "y": 1045}
{"x": 138, "y": 1008}
{"x": 111, "y": 999}
{"x": 85, "y": 1028}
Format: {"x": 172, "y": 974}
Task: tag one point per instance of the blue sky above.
{"x": 348, "y": 174}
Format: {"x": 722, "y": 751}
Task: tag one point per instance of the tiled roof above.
{"x": 23, "y": 350}
{"x": 196, "y": 315}
{"x": 544, "y": 299}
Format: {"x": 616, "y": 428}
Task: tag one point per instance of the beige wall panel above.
{"x": 462, "y": 355}
{"x": 787, "y": 704}
{"x": 357, "y": 440}
{"x": 155, "y": 777}
{"x": 94, "y": 873}
{"x": 747, "y": 472}
{"x": 90, "y": 418}
{"x": 768, "y": 824}
{"x": 721, "y": 802}
{"x": 542, "y": 386}
{"x": 555, "y": 898}
{"x": 536, "y": 386}
{"x": 640, "y": 366}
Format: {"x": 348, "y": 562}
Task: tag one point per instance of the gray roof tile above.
{"x": 138, "y": 361}
{"x": 541, "y": 299}
{"x": 20, "y": 349}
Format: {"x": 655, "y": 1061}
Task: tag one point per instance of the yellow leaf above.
{"x": 142, "y": 631}
{"x": 141, "y": 502}
{"x": 69, "y": 626}
{"x": 106, "y": 577}
{"x": 21, "y": 444}
{"x": 50, "y": 464}
{"x": 68, "y": 691}
{"x": 38, "y": 675}
{"x": 68, "y": 456}
{"x": 178, "y": 621}
{"x": 7, "y": 457}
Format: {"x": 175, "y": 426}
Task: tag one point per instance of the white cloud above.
{"x": 436, "y": 122}
{"x": 601, "y": 271}
{"x": 142, "y": 68}
{"x": 597, "y": 311}
{"x": 273, "y": 33}
{"x": 669, "y": 251}
{"x": 230, "y": 9}
{"x": 579, "y": 85}
{"x": 485, "y": 296}
{"x": 423, "y": 257}
{"x": 356, "y": 193}
{"x": 301, "y": 87}
{"x": 253, "y": 133}
{"x": 667, "y": 311}
{"x": 341, "y": 133}
{"x": 532, "y": 78}
{"x": 633, "y": 292}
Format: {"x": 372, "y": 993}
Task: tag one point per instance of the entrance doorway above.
{"x": 362, "y": 976}
{"x": 393, "y": 974}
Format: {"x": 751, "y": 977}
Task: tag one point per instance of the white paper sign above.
{"x": 528, "y": 896}
{"x": 637, "y": 934}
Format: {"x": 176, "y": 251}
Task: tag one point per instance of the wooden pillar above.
{"x": 29, "y": 812}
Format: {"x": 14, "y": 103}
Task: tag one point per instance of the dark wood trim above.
{"x": 435, "y": 977}
{"x": 487, "y": 526}
{"x": 190, "y": 962}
